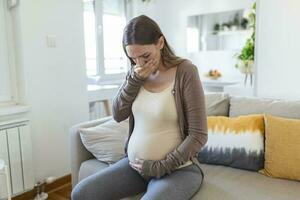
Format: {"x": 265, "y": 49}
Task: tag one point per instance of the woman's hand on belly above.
{"x": 137, "y": 164}
{"x": 145, "y": 170}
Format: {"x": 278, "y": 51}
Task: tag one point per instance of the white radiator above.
{"x": 16, "y": 151}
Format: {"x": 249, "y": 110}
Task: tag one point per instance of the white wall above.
{"x": 278, "y": 66}
{"x": 171, "y": 15}
{"x": 52, "y": 81}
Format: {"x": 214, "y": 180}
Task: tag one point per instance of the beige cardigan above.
{"x": 190, "y": 105}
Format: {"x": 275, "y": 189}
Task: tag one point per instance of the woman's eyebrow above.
{"x": 140, "y": 55}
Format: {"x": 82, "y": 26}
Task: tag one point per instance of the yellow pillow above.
{"x": 282, "y": 148}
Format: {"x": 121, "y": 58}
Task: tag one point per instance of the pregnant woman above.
{"x": 163, "y": 98}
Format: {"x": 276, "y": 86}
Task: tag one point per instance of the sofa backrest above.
{"x": 221, "y": 104}
{"x": 254, "y": 105}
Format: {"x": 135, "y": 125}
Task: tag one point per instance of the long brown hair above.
{"x": 143, "y": 30}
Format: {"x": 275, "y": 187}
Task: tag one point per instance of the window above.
{"x": 5, "y": 82}
{"x": 104, "y": 21}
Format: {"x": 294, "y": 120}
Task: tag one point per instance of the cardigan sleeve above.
{"x": 193, "y": 102}
{"x": 126, "y": 94}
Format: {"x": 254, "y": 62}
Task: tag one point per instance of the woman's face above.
{"x": 141, "y": 54}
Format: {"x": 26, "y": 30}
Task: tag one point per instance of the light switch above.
{"x": 12, "y": 3}
{"x": 51, "y": 41}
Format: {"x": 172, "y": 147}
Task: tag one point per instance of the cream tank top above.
{"x": 156, "y": 129}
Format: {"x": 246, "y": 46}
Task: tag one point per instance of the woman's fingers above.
{"x": 136, "y": 166}
{"x": 139, "y": 161}
{"x": 145, "y": 70}
{"x": 148, "y": 64}
{"x": 151, "y": 68}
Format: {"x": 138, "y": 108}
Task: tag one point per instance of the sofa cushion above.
{"x": 225, "y": 183}
{"x": 217, "y": 104}
{"x": 254, "y": 105}
{"x": 282, "y": 148}
{"x": 236, "y": 142}
{"x": 90, "y": 167}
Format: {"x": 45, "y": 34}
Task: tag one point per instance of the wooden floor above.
{"x": 61, "y": 193}
{"x": 60, "y": 189}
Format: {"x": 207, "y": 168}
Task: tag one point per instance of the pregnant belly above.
{"x": 152, "y": 146}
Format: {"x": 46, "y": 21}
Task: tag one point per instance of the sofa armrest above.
{"x": 78, "y": 152}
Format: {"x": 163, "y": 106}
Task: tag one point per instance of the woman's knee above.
{"x": 182, "y": 184}
{"x": 85, "y": 189}
{"x": 90, "y": 189}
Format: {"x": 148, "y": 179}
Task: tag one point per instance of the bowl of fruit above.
{"x": 213, "y": 74}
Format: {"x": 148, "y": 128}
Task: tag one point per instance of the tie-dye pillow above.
{"x": 236, "y": 142}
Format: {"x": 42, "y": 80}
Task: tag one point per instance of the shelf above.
{"x": 232, "y": 32}
{"x": 13, "y": 109}
{"x": 237, "y": 32}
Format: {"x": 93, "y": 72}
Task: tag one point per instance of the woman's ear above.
{"x": 161, "y": 42}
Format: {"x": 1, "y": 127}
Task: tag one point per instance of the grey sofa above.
{"x": 220, "y": 182}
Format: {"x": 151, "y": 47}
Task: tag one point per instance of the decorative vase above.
{"x": 246, "y": 67}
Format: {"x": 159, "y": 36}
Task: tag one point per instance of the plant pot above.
{"x": 246, "y": 67}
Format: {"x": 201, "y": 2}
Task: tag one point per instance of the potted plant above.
{"x": 245, "y": 62}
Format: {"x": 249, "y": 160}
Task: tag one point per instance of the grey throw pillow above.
{"x": 106, "y": 141}
{"x": 217, "y": 104}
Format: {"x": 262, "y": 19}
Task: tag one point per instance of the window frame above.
{"x": 100, "y": 68}
{"x": 10, "y": 57}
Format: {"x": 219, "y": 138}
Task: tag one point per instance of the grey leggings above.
{"x": 119, "y": 181}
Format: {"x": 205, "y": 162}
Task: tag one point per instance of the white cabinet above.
{"x": 239, "y": 90}
{"x": 216, "y": 85}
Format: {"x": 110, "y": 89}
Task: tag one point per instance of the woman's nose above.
{"x": 140, "y": 61}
